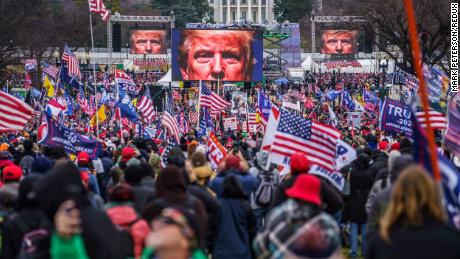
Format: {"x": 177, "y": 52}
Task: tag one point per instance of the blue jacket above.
{"x": 93, "y": 186}
{"x": 236, "y": 228}
{"x": 248, "y": 182}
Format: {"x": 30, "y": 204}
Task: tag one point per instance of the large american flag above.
{"x": 14, "y": 113}
{"x": 211, "y": 100}
{"x": 169, "y": 120}
{"x": 50, "y": 70}
{"x": 145, "y": 106}
{"x": 97, "y": 6}
{"x": 437, "y": 119}
{"x": 72, "y": 62}
{"x": 297, "y": 134}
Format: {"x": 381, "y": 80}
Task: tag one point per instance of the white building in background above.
{"x": 229, "y": 11}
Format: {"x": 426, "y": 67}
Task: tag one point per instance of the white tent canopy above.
{"x": 309, "y": 65}
{"x": 166, "y": 79}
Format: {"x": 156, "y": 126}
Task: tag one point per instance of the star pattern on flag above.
{"x": 291, "y": 124}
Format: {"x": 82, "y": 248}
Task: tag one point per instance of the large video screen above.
{"x": 148, "y": 41}
{"x": 211, "y": 55}
{"x": 339, "y": 42}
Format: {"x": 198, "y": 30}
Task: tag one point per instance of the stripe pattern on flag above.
{"x": 169, "y": 121}
{"x": 211, "y": 100}
{"x": 14, "y": 113}
{"x": 72, "y": 62}
{"x": 437, "y": 119}
{"x": 145, "y": 106}
{"x": 296, "y": 134}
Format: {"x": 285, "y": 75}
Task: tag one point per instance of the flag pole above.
{"x": 411, "y": 21}
{"x": 199, "y": 104}
{"x": 94, "y": 76}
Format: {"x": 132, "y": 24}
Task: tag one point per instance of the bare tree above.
{"x": 387, "y": 20}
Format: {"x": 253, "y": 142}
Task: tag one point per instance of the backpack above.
{"x": 265, "y": 192}
{"x": 127, "y": 238}
{"x": 35, "y": 242}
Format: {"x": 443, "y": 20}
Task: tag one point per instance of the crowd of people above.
{"x": 133, "y": 201}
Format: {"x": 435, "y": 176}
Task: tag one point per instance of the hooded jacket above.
{"x": 101, "y": 238}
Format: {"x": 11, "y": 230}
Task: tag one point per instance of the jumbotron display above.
{"x": 339, "y": 42}
{"x": 148, "y": 41}
{"x": 211, "y": 55}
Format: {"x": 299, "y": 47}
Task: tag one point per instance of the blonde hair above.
{"x": 246, "y": 39}
{"x": 415, "y": 196}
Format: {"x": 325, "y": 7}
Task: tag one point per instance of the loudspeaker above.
{"x": 368, "y": 41}
{"x": 158, "y": 95}
{"x": 116, "y": 37}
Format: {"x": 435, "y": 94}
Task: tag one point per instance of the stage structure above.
{"x": 117, "y": 17}
{"x": 274, "y": 48}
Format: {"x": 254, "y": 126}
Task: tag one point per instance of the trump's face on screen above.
{"x": 338, "y": 42}
{"x": 148, "y": 42}
{"x": 216, "y": 54}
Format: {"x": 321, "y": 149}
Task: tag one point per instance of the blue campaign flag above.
{"x": 332, "y": 94}
{"x": 69, "y": 102}
{"x": 65, "y": 78}
{"x": 348, "y": 101}
{"x": 264, "y": 105}
{"x": 72, "y": 141}
{"x": 370, "y": 97}
{"x": 127, "y": 109}
{"x": 395, "y": 116}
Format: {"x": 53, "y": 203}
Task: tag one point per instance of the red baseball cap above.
{"x": 232, "y": 161}
{"x": 306, "y": 188}
{"x": 383, "y": 145}
{"x": 127, "y": 153}
{"x": 395, "y": 146}
{"x": 83, "y": 158}
{"x": 12, "y": 172}
{"x": 300, "y": 162}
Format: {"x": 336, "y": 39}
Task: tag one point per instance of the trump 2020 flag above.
{"x": 127, "y": 109}
{"x": 125, "y": 82}
{"x": 345, "y": 154}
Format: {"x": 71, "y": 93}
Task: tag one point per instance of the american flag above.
{"x": 98, "y": 98}
{"x": 252, "y": 117}
{"x": 437, "y": 119}
{"x": 14, "y": 113}
{"x": 183, "y": 124}
{"x": 212, "y": 100}
{"x": 97, "y": 6}
{"x": 82, "y": 101}
{"x": 164, "y": 156}
{"x": 50, "y": 70}
{"x": 72, "y": 62}
{"x": 169, "y": 121}
{"x": 145, "y": 106}
{"x": 296, "y": 134}
{"x": 193, "y": 116}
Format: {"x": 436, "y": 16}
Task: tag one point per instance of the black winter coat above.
{"x": 432, "y": 240}
{"x": 361, "y": 181}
